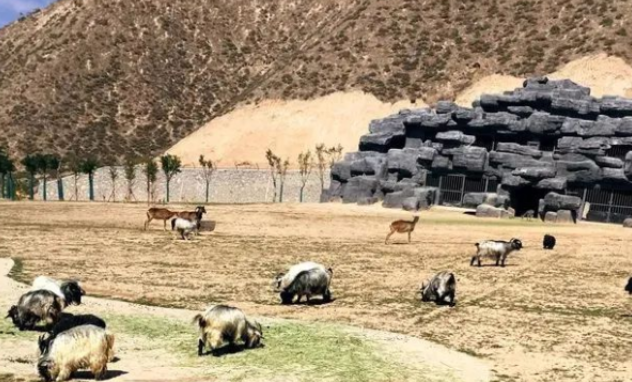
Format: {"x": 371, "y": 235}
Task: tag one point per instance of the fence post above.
{"x": 610, "y": 206}
{"x": 438, "y": 194}
{"x": 463, "y": 178}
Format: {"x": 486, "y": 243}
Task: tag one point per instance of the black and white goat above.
{"x": 440, "y": 288}
{"x": 69, "y": 291}
{"x": 82, "y": 347}
{"x": 36, "y": 306}
{"x": 67, "y": 322}
{"x": 184, "y": 227}
{"x": 304, "y": 279}
{"x": 496, "y": 249}
{"x": 628, "y": 287}
{"x": 221, "y": 324}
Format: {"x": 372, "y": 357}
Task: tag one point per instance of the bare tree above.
{"x": 305, "y": 165}
{"x": 282, "y": 172}
{"x": 208, "y": 168}
{"x": 113, "y": 172}
{"x": 274, "y": 162}
{"x": 334, "y": 154}
{"x": 321, "y": 163}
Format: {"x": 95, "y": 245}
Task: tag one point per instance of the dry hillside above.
{"x": 114, "y": 77}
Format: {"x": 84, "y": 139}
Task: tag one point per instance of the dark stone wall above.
{"x": 547, "y": 136}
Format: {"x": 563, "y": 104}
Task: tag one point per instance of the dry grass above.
{"x": 557, "y": 315}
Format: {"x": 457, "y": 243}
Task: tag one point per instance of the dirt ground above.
{"x": 557, "y": 315}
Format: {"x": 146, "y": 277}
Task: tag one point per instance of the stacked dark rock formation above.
{"x": 542, "y": 139}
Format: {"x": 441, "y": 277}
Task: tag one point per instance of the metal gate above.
{"x": 454, "y": 186}
{"x": 608, "y": 206}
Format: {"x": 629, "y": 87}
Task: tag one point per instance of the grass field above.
{"x": 557, "y": 315}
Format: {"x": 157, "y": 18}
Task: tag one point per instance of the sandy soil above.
{"x": 286, "y": 127}
{"x": 557, "y": 315}
{"x": 140, "y": 361}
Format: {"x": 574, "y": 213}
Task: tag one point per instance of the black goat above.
{"x": 67, "y": 322}
{"x": 548, "y": 242}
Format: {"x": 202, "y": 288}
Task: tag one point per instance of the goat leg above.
{"x": 200, "y": 347}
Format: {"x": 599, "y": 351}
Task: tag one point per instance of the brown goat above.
{"x": 402, "y": 226}
{"x": 159, "y": 214}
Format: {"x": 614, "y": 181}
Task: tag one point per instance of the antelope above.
{"x": 402, "y": 226}
{"x": 159, "y": 214}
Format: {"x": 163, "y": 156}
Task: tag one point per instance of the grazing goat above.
{"x": 495, "y": 249}
{"x": 35, "y": 306}
{"x": 441, "y": 289}
{"x": 628, "y": 288}
{"x": 185, "y": 227}
{"x": 159, "y": 214}
{"x": 529, "y": 215}
{"x": 402, "y": 226}
{"x": 304, "y": 279}
{"x": 69, "y": 291}
{"x": 194, "y": 216}
{"x": 82, "y": 347}
{"x": 67, "y": 322}
{"x": 548, "y": 242}
{"x": 222, "y": 324}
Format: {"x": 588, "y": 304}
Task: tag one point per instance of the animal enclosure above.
{"x": 560, "y": 315}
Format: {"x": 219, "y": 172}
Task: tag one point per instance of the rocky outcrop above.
{"x": 547, "y": 135}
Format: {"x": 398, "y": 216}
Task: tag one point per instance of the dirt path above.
{"x": 139, "y": 362}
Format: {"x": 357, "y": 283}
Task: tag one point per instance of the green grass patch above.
{"x": 297, "y": 351}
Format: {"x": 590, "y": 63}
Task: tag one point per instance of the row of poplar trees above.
{"x": 50, "y": 165}
{"x": 322, "y": 159}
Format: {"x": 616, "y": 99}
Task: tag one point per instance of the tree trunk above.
{"x": 275, "y": 191}
{"x": 60, "y": 188}
{"x": 91, "y": 186}
{"x": 168, "y": 190}
{"x": 281, "y": 192}
{"x": 2, "y": 186}
{"x": 44, "y": 197}
{"x": 148, "y": 192}
{"x": 300, "y": 199}
{"x": 31, "y": 185}
{"x": 76, "y": 188}
{"x": 207, "y": 187}
{"x": 11, "y": 187}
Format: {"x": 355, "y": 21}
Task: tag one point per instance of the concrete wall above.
{"x": 227, "y": 186}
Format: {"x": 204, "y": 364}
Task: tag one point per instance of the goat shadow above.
{"x": 494, "y": 266}
{"x": 229, "y": 349}
{"x": 471, "y": 213}
{"x": 316, "y": 302}
{"x": 87, "y": 375}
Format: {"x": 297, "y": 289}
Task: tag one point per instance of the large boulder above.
{"x": 473, "y": 159}
{"x": 515, "y": 148}
{"x": 474, "y": 199}
{"x": 359, "y": 187}
{"x": 555, "y": 202}
{"x": 382, "y": 142}
{"x": 616, "y": 107}
{"x": 554, "y": 184}
{"x": 341, "y": 171}
{"x": 512, "y": 181}
{"x": 609, "y": 162}
{"x": 550, "y": 217}
{"x": 441, "y": 163}
{"x": 455, "y": 136}
{"x": 367, "y": 201}
{"x": 487, "y": 211}
{"x": 423, "y": 198}
{"x": 534, "y": 173}
{"x": 627, "y": 223}
{"x": 627, "y": 166}
{"x": 405, "y": 162}
{"x": 513, "y": 161}
{"x": 390, "y": 125}
{"x": 544, "y": 123}
{"x": 565, "y": 216}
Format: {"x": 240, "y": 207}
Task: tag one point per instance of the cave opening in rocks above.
{"x": 525, "y": 199}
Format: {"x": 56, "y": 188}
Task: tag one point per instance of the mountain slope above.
{"x": 114, "y": 77}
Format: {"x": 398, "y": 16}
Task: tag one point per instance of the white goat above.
{"x": 496, "y": 249}
{"x": 69, "y": 291}
{"x": 185, "y": 227}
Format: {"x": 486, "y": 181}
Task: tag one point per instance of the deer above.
{"x": 159, "y": 214}
{"x": 402, "y": 226}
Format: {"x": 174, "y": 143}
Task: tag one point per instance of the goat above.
{"x": 304, "y": 279}
{"x": 35, "y": 306}
{"x": 440, "y": 288}
{"x": 184, "y": 227}
{"x": 82, "y": 347}
{"x": 529, "y": 215}
{"x": 159, "y": 214}
{"x": 402, "y": 226}
{"x": 496, "y": 249}
{"x": 628, "y": 288}
{"x": 69, "y": 291}
{"x": 194, "y": 216}
{"x": 220, "y": 324}
{"x": 548, "y": 242}
{"x": 68, "y": 322}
